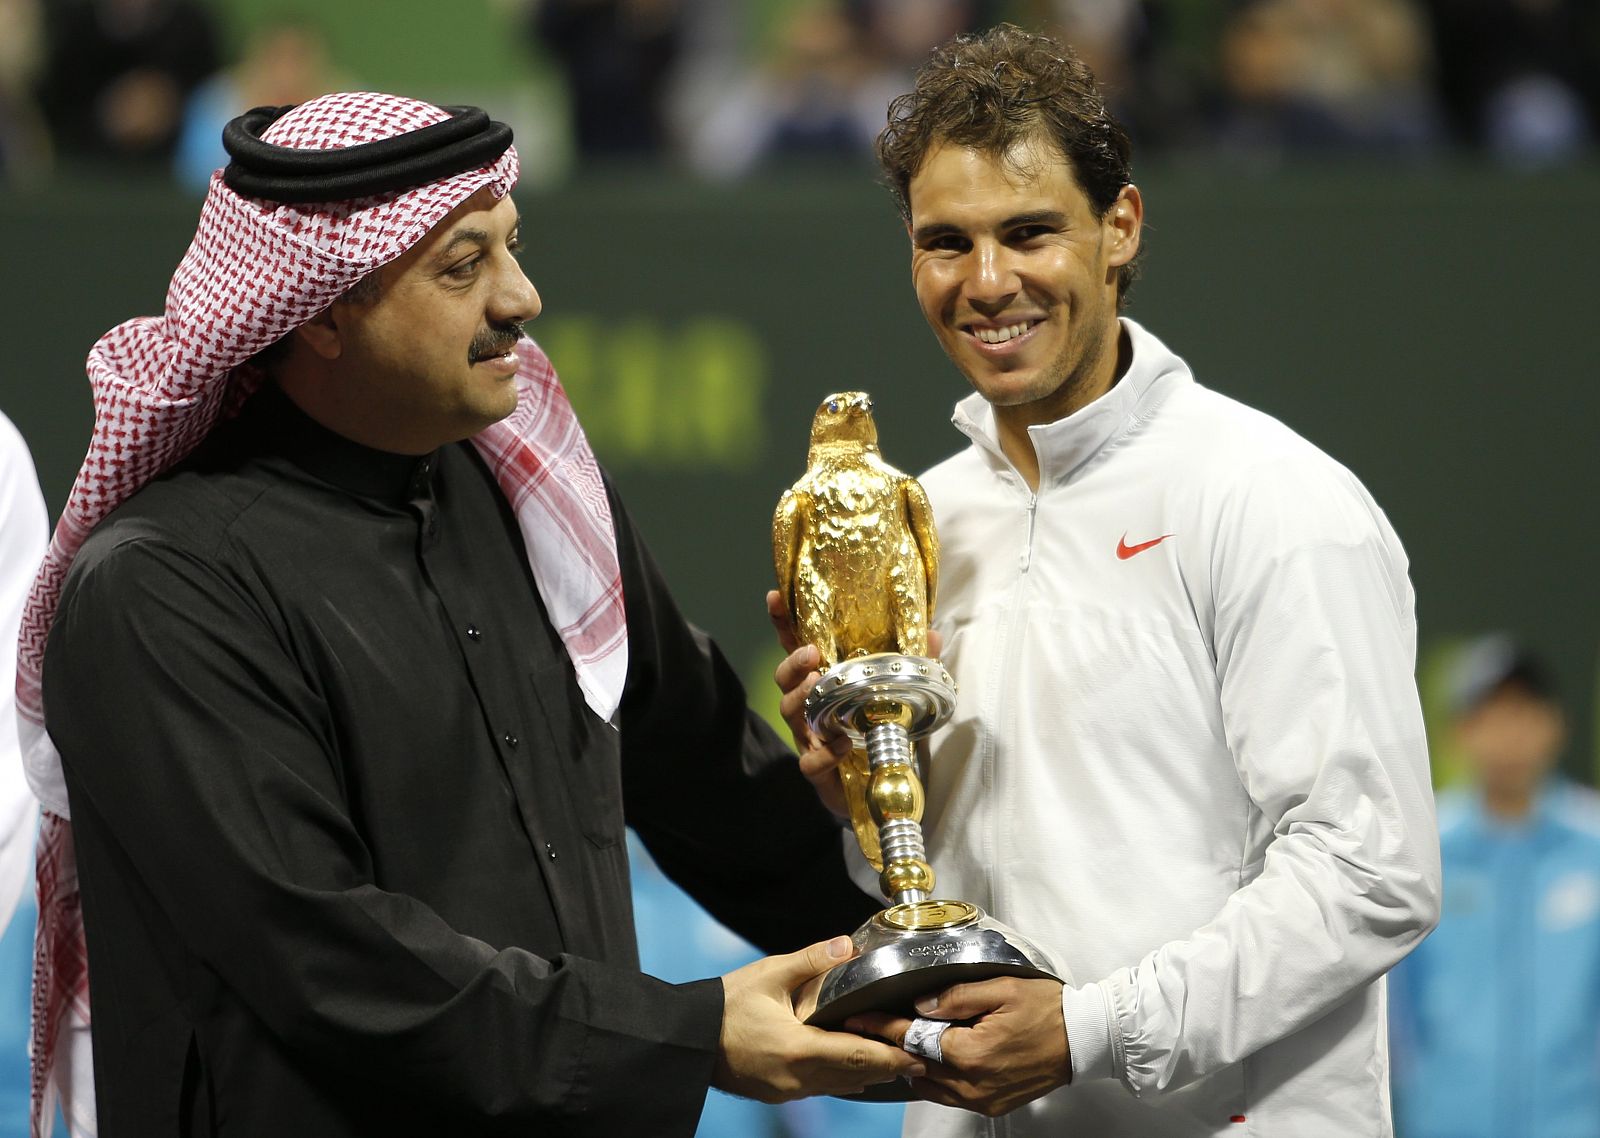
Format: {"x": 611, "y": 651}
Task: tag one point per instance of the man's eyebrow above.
{"x": 462, "y": 237}
{"x": 937, "y": 229}
{"x": 1035, "y": 217}
{"x": 933, "y": 230}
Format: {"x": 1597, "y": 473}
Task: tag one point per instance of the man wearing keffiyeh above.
{"x": 348, "y": 668}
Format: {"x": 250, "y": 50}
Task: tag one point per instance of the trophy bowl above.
{"x": 895, "y": 965}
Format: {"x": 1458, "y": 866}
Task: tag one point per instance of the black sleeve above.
{"x": 714, "y": 794}
{"x": 206, "y": 754}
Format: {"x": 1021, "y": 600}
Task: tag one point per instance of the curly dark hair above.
{"x": 992, "y": 90}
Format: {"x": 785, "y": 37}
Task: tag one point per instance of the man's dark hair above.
{"x": 994, "y": 90}
{"x": 1496, "y": 665}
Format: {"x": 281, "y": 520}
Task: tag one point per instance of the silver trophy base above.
{"x": 894, "y": 966}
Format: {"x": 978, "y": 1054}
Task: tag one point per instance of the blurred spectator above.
{"x": 1106, "y": 33}
{"x": 902, "y": 33}
{"x": 822, "y": 94}
{"x": 618, "y": 57}
{"x": 119, "y": 72}
{"x": 1496, "y": 1016}
{"x": 24, "y": 528}
{"x": 1349, "y": 75}
{"x": 285, "y": 61}
{"x": 1520, "y": 77}
{"x": 24, "y": 141}
{"x": 824, "y": 91}
{"x": 1131, "y": 47}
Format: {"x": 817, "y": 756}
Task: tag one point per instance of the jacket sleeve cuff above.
{"x": 1087, "y": 1015}
{"x": 647, "y": 1054}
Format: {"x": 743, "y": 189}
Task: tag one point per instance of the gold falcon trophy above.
{"x": 858, "y": 565}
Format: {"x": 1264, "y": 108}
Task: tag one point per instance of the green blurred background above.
{"x": 1430, "y": 328}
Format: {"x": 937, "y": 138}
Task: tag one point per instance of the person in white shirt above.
{"x": 24, "y": 529}
{"x": 1187, "y": 755}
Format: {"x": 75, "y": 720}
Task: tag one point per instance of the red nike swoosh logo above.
{"x": 1125, "y": 551}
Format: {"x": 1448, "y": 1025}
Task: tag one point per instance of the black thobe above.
{"x": 350, "y": 840}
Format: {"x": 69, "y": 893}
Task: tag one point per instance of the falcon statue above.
{"x": 854, "y": 544}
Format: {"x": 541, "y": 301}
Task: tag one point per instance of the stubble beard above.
{"x": 1064, "y": 387}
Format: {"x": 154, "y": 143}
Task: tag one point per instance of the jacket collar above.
{"x": 1065, "y": 445}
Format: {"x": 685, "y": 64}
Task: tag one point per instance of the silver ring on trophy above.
{"x": 923, "y": 1038}
{"x": 921, "y": 684}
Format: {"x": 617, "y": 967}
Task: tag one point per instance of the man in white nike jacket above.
{"x": 1187, "y": 756}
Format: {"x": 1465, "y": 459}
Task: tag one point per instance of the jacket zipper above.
{"x": 1027, "y": 549}
{"x": 1004, "y": 700}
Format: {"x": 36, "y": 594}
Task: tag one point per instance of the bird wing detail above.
{"x": 919, "y": 514}
{"x": 788, "y": 528}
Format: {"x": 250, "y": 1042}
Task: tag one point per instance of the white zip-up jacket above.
{"x": 1187, "y": 758}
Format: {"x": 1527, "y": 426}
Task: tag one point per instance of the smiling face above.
{"x": 432, "y": 359}
{"x": 1018, "y": 277}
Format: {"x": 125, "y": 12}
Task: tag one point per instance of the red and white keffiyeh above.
{"x": 255, "y": 271}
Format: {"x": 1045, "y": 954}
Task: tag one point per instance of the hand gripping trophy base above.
{"x": 887, "y": 701}
{"x": 895, "y": 966}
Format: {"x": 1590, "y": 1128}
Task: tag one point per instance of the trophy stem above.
{"x": 886, "y": 701}
{"x": 899, "y": 838}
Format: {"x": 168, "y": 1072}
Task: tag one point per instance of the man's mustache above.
{"x": 492, "y": 342}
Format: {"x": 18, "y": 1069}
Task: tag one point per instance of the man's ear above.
{"x": 1125, "y": 223}
{"x": 322, "y": 333}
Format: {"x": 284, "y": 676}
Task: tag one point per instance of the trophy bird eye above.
{"x": 833, "y": 406}
{"x": 866, "y": 404}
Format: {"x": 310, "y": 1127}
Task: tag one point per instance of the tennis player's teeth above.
{"x": 1001, "y": 335}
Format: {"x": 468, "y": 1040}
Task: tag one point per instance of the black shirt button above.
{"x": 474, "y": 632}
{"x": 511, "y": 740}
{"x": 550, "y": 850}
